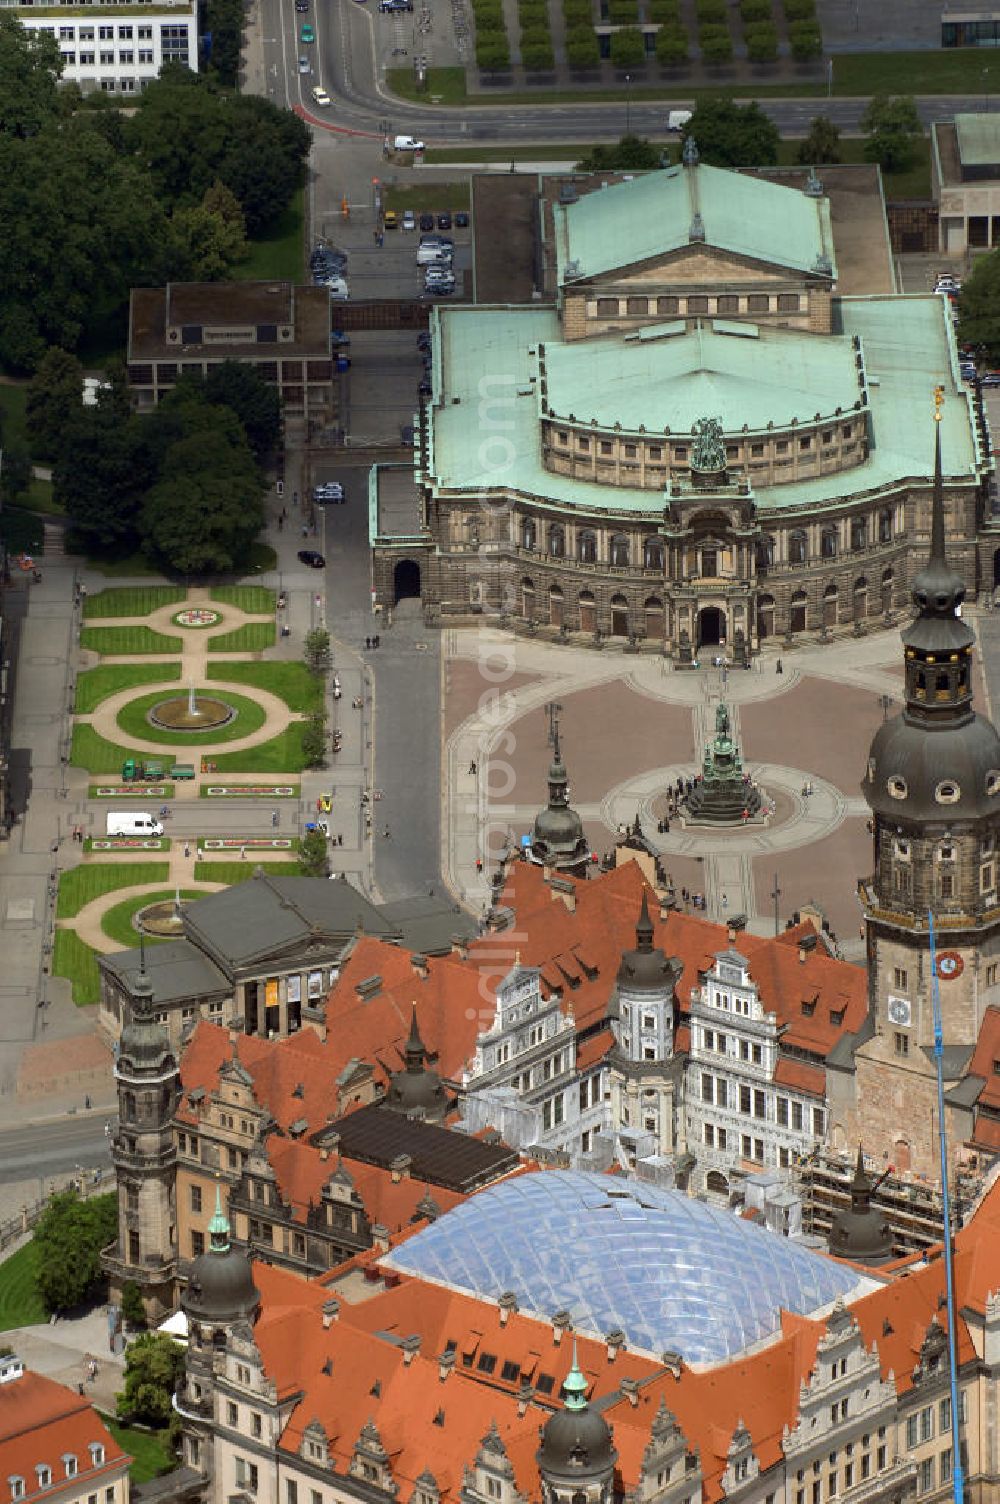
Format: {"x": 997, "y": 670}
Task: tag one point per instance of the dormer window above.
{"x": 16, "y": 1486}
{"x": 947, "y": 792}
{"x": 44, "y": 1474}
{"x": 69, "y": 1463}
{"x": 897, "y": 787}
{"x": 96, "y": 1454}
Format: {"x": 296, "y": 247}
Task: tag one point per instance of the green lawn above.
{"x": 96, "y": 684}
{"x": 291, "y": 682}
{"x": 252, "y": 637}
{"x": 915, "y": 182}
{"x": 280, "y": 252}
{"x": 951, "y": 71}
{"x": 436, "y": 196}
{"x": 117, "y": 922}
{"x": 150, "y": 1450}
{"x": 83, "y": 884}
{"x": 283, "y": 754}
{"x": 135, "y": 600}
{"x": 132, "y": 721}
{"x": 127, "y": 641}
{"x": 93, "y": 752}
{"x": 20, "y": 1302}
{"x": 237, "y": 872}
{"x": 546, "y": 151}
{"x": 73, "y": 959}
{"x": 256, "y": 600}
{"x": 444, "y": 85}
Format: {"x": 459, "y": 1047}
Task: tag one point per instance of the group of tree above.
{"x": 183, "y": 483}
{"x": 979, "y": 307}
{"x": 630, "y": 154}
{"x": 93, "y": 202}
{"x": 154, "y": 1365}
{"x": 733, "y": 135}
{"x": 68, "y": 1242}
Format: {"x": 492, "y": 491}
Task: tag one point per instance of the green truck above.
{"x": 151, "y": 771}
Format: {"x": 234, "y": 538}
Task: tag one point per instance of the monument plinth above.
{"x": 724, "y": 794}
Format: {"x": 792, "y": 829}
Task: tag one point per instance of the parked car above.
{"x": 301, "y": 6}
{"x": 321, "y": 97}
{"x": 439, "y": 240}
{"x": 312, "y": 558}
{"x": 426, "y": 221}
{"x": 307, "y": 35}
{"x": 407, "y": 143}
{"x": 424, "y": 342}
{"x": 390, "y": 219}
{"x": 461, "y": 220}
{"x": 444, "y": 221}
{"x": 406, "y": 435}
{"x": 409, "y": 220}
{"x": 425, "y": 389}
{"x": 430, "y": 255}
{"x": 328, "y": 490}
{"x": 990, "y": 378}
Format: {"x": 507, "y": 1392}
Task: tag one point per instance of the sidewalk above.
{"x": 61, "y": 1349}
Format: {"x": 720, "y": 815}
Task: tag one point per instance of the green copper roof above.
{"x": 671, "y": 382}
{"x": 485, "y": 434}
{"x": 218, "y": 1228}
{"x": 652, "y": 214}
{"x": 575, "y": 1385}
{"x": 978, "y": 139}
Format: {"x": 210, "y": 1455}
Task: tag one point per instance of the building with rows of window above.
{"x": 698, "y": 443}
{"x": 118, "y": 48}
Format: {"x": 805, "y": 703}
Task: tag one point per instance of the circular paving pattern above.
{"x": 196, "y": 616}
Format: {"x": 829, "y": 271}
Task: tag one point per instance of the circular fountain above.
{"x": 191, "y": 712}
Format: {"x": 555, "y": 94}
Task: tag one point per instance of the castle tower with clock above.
{"x": 933, "y": 786}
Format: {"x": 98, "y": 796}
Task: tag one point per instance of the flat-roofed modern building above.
{"x": 118, "y": 48}
{"x": 283, "y": 331}
{"x": 699, "y": 444}
{"x": 965, "y": 182}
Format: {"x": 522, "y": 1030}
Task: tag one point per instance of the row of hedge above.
{"x": 492, "y": 42}
{"x": 537, "y": 55}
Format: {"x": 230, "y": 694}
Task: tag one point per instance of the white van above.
{"x": 121, "y": 823}
{"x": 407, "y": 143}
{"x": 677, "y": 120}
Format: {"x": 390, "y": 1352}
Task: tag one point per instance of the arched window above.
{"x": 620, "y": 552}
{"x": 529, "y": 533}
{"x": 828, "y": 543}
{"x": 557, "y": 541}
{"x": 798, "y": 547}
{"x": 587, "y": 547}
{"x": 652, "y": 553}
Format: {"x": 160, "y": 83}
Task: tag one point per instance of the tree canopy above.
{"x": 631, "y": 154}
{"x": 68, "y": 1240}
{"x": 30, "y": 67}
{"x": 822, "y": 143}
{"x": 733, "y": 135}
{"x": 154, "y": 1364}
{"x": 893, "y": 127}
{"x": 54, "y": 398}
{"x": 979, "y": 306}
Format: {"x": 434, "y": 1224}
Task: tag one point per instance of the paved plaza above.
{"x": 631, "y": 724}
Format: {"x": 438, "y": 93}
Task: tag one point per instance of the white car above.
{"x": 305, "y": 66}
{"x": 321, "y": 97}
{"x": 409, "y": 221}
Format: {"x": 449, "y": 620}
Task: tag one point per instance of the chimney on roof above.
{"x": 400, "y": 1167}
{"x": 730, "y": 933}
{"x": 616, "y": 1341}
{"x": 446, "y": 1362}
{"x": 524, "y": 1398}
{"x": 507, "y": 1304}
{"x": 460, "y": 947}
{"x": 419, "y": 964}
{"x": 561, "y": 1322}
{"x": 807, "y": 944}
{"x": 410, "y": 1346}
{"x": 331, "y": 1312}
{"x": 380, "y": 1237}
{"x": 566, "y": 890}
{"x": 630, "y": 1389}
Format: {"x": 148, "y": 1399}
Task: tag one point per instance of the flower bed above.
{"x": 245, "y": 843}
{"x": 130, "y": 790}
{"x": 128, "y": 843}
{"x": 251, "y": 791}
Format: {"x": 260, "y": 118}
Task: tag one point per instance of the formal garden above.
{"x": 177, "y": 706}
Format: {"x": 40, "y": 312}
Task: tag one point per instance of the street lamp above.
{"x": 628, "y": 104}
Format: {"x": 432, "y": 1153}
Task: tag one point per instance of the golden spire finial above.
{"x": 938, "y": 403}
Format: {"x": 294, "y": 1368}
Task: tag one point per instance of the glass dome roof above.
{"x": 671, "y": 1272}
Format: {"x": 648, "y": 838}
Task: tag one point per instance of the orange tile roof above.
{"x": 986, "y": 1057}
{"x": 986, "y": 1134}
{"x": 594, "y": 1049}
{"x": 302, "y": 1171}
{"x": 800, "y": 1076}
{"x": 41, "y": 1422}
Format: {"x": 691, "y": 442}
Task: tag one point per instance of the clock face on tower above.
{"x": 949, "y": 965}
{"x": 900, "y": 1011}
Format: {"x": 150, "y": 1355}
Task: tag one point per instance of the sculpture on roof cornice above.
{"x": 690, "y": 152}
{"x": 709, "y": 448}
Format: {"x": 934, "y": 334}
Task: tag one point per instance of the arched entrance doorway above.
{"x": 830, "y": 606}
{"x": 528, "y": 600}
{"x": 406, "y": 580}
{"x": 797, "y": 612}
{"x": 711, "y": 627}
{"x": 654, "y": 618}
{"x": 588, "y": 611}
{"x": 619, "y": 616}
{"x": 765, "y": 616}
{"x": 555, "y": 606}
{"x": 860, "y": 599}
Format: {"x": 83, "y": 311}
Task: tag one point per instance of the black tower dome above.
{"x": 220, "y": 1289}
{"x": 558, "y": 839}
{"x": 863, "y": 1233}
{"x": 577, "y": 1445}
{"x": 645, "y": 969}
{"x": 938, "y": 760}
{"x": 417, "y": 1091}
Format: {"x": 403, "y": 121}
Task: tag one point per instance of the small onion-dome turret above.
{"x": 417, "y": 1090}
{"x": 220, "y": 1288}
{"x": 862, "y": 1233}
{"x": 143, "y": 1047}
{"x": 576, "y": 1443}
{"x": 558, "y": 839}
{"x": 645, "y": 969}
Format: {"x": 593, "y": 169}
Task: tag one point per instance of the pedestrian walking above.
{"x": 305, "y": 531}
{"x": 281, "y": 523}
{"x": 472, "y": 768}
{"x": 187, "y": 849}
{"x": 778, "y": 669}
{"x": 385, "y": 833}
{"x": 368, "y": 642}
{"x": 479, "y": 864}
{"x": 243, "y": 853}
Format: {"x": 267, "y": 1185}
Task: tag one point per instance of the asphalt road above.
{"x": 346, "y": 61}
{"x": 54, "y": 1147}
